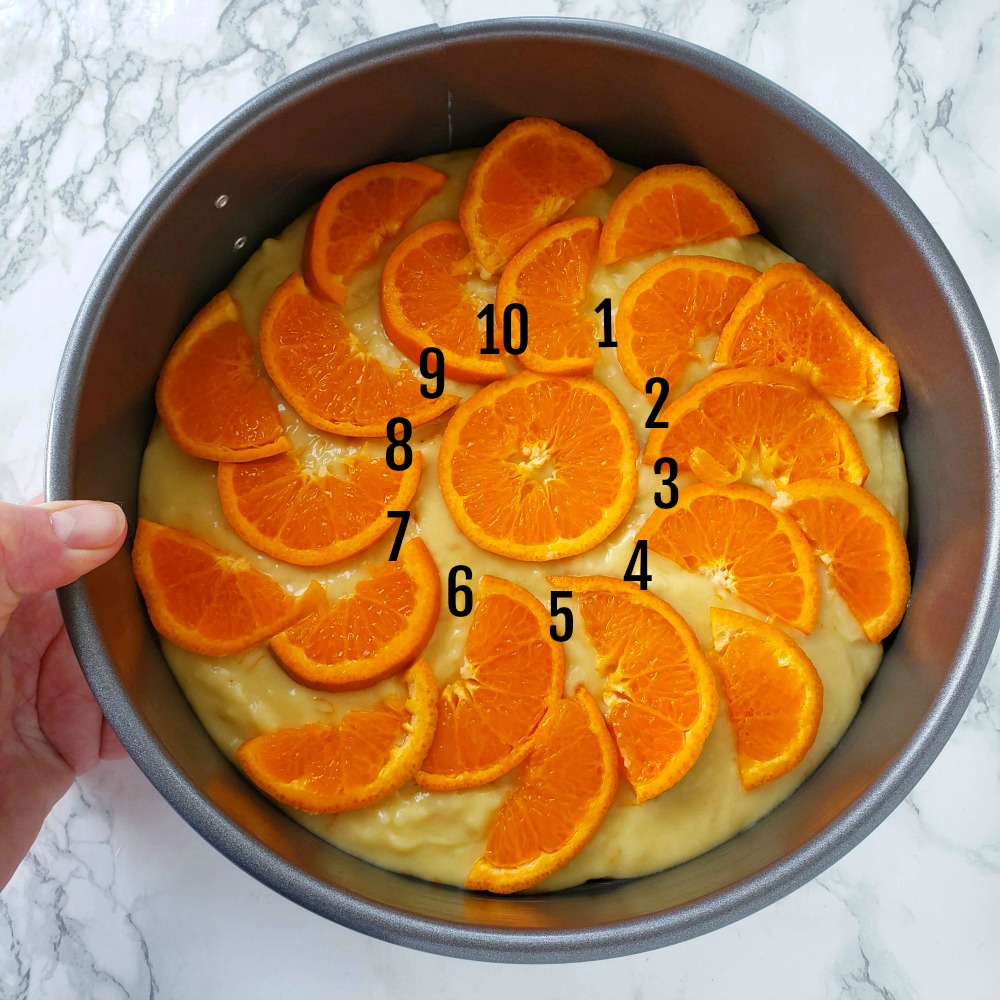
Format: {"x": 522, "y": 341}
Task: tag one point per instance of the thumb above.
{"x": 50, "y": 545}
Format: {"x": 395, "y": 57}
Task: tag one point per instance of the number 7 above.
{"x": 397, "y": 542}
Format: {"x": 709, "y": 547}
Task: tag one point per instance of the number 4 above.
{"x": 638, "y": 571}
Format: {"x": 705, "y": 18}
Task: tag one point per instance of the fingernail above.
{"x": 90, "y": 525}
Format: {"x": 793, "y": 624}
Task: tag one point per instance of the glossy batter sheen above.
{"x": 438, "y": 835}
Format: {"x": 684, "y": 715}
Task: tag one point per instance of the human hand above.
{"x": 51, "y": 728}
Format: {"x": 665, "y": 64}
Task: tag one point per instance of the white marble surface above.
{"x": 118, "y": 897}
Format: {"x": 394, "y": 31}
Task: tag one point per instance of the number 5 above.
{"x": 554, "y": 609}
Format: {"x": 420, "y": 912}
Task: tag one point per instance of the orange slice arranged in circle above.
{"x": 550, "y": 277}
{"x": 733, "y": 535}
{"x": 563, "y": 792}
{"x": 861, "y": 545}
{"x": 658, "y": 686}
{"x": 428, "y": 301}
{"x": 357, "y": 215}
{"x": 536, "y": 467}
{"x": 370, "y": 634}
{"x": 312, "y": 518}
{"x": 321, "y": 768}
{"x": 206, "y": 600}
{"x": 757, "y": 421}
{"x": 672, "y": 206}
{"x": 209, "y": 395}
{"x": 669, "y": 308}
{"x": 790, "y": 319}
{"x": 331, "y": 380}
{"x": 773, "y": 693}
{"x": 522, "y": 181}
{"x": 513, "y": 672}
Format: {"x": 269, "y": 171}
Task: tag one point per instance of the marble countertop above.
{"x": 119, "y": 898}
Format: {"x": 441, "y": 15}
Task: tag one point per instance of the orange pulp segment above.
{"x": 522, "y": 181}
{"x": 564, "y": 790}
{"x": 773, "y": 693}
{"x": 513, "y": 672}
{"x": 206, "y": 600}
{"x": 790, "y": 319}
{"x": 209, "y": 395}
{"x": 322, "y": 768}
{"x": 370, "y": 634}
{"x": 550, "y": 277}
{"x": 427, "y": 301}
{"x": 861, "y": 545}
{"x": 733, "y": 535}
{"x": 331, "y": 380}
{"x": 356, "y": 217}
{"x": 762, "y": 422}
{"x": 310, "y": 518}
{"x": 658, "y": 686}
{"x": 669, "y": 308}
{"x": 536, "y": 467}
{"x": 671, "y": 206}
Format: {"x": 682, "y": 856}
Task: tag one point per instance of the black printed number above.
{"x": 456, "y": 591}
{"x": 397, "y": 542}
{"x": 557, "y": 612}
{"x": 661, "y": 387}
{"x": 432, "y": 367}
{"x": 671, "y": 486}
{"x": 399, "y": 431}
{"x": 509, "y": 344}
{"x": 637, "y": 571}
{"x": 604, "y": 311}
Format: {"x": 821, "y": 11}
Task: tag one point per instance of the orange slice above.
{"x": 669, "y": 308}
{"x": 790, "y": 319}
{"x": 733, "y": 535}
{"x": 427, "y": 301}
{"x": 759, "y": 421}
{"x": 672, "y": 206}
{"x": 550, "y": 277}
{"x": 658, "y": 686}
{"x": 861, "y": 545}
{"x": 370, "y": 634}
{"x": 206, "y": 600}
{"x": 513, "y": 672}
{"x": 356, "y": 216}
{"x": 527, "y": 177}
{"x": 312, "y": 518}
{"x": 773, "y": 692}
{"x": 329, "y": 378}
{"x": 535, "y": 467}
{"x": 321, "y": 768}
{"x": 563, "y": 792}
{"x": 209, "y": 395}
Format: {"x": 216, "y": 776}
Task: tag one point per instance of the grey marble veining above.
{"x": 118, "y": 898}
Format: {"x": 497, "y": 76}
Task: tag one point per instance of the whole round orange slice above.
{"x": 209, "y": 395}
{"x": 550, "y": 276}
{"x": 356, "y": 217}
{"x": 757, "y": 422}
{"x": 861, "y": 545}
{"x": 564, "y": 790}
{"x": 791, "y": 319}
{"x": 733, "y": 535}
{"x": 206, "y": 600}
{"x": 536, "y": 467}
{"x": 370, "y": 634}
{"x": 668, "y": 309}
{"x": 322, "y": 768}
{"x": 522, "y": 181}
{"x": 312, "y": 518}
{"x": 671, "y": 206}
{"x": 513, "y": 671}
{"x": 658, "y": 686}
{"x": 331, "y": 380}
{"x": 773, "y": 693}
{"x": 428, "y": 300}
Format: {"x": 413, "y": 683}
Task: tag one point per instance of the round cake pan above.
{"x": 646, "y": 99}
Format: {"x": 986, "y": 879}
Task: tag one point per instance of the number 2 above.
{"x": 661, "y": 387}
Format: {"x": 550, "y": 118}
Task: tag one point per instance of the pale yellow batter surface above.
{"x": 438, "y": 835}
